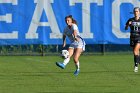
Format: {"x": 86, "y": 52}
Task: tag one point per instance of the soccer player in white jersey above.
{"x": 134, "y": 24}
{"x": 77, "y": 45}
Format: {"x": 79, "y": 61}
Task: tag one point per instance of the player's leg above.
{"x": 136, "y": 56}
{"x": 77, "y": 53}
{"x": 66, "y": 60}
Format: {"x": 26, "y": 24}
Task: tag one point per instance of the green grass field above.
{"x": 99, "y": 74}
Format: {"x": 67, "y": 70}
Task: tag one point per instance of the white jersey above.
{"x": 69, "y": 32}
{"x": 74, "y": 44}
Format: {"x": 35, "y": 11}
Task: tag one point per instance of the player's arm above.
{"x": 126, "y": 27}
{"x": 75, "y": 29}
{"x": 127, "y": 24}
{"x": 75, "y": 35}
{"x": 64, "y": 40}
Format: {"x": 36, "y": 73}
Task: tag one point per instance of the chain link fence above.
{"x": 43, "y": 50}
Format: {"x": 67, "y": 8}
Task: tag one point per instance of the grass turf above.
{"x": 99, "y": 74}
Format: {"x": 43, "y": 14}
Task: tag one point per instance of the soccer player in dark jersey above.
{"x": 134, "y": 24}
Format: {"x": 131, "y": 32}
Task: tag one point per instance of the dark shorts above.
{"x": 134, "y": 41}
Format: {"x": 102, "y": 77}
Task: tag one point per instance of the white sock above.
{"x": 66, "y": 61}
{"x": 77, "y": 65}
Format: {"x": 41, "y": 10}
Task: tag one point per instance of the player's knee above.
{"x": 75, "y": 59}
{"x": 136, "y": 51}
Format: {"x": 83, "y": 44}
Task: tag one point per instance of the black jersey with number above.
{"x": 135, "y": 28}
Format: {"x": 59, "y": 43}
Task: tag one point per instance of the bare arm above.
{"x": 129, "y": 23}
{"x": 126, "y": 27}
{"x": 75, "y": 35}
{"x": 64, "y": 40}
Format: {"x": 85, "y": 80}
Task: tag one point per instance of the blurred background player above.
{"x": 134, "y": 24}
{"x": 77, "y": 45}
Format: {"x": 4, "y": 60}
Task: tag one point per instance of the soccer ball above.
{"x": 65, "y": 54}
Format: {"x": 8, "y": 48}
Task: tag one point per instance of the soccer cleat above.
{"x": 135, "y": 69}
{"x": 61, "y": 65}
{"x": 76, "y": 72}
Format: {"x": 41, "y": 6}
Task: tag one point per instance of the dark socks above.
{"x": 139, "y": 59}
{"x": 136, "y": 60}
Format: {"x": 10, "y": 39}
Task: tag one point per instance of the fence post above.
{"x": 57, "y": 48}
{"x": 103, "y": 49}
{"x": 42, "y": 50}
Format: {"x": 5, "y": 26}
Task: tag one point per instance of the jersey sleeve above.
{"x": 75, "y": 27}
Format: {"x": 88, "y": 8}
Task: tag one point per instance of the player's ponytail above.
{"x": 74, "y": 21}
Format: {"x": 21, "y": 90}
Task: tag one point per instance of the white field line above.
{"x": 31, "y": 59}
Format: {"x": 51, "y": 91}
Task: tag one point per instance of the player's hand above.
{"x": 130, "y": 22}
